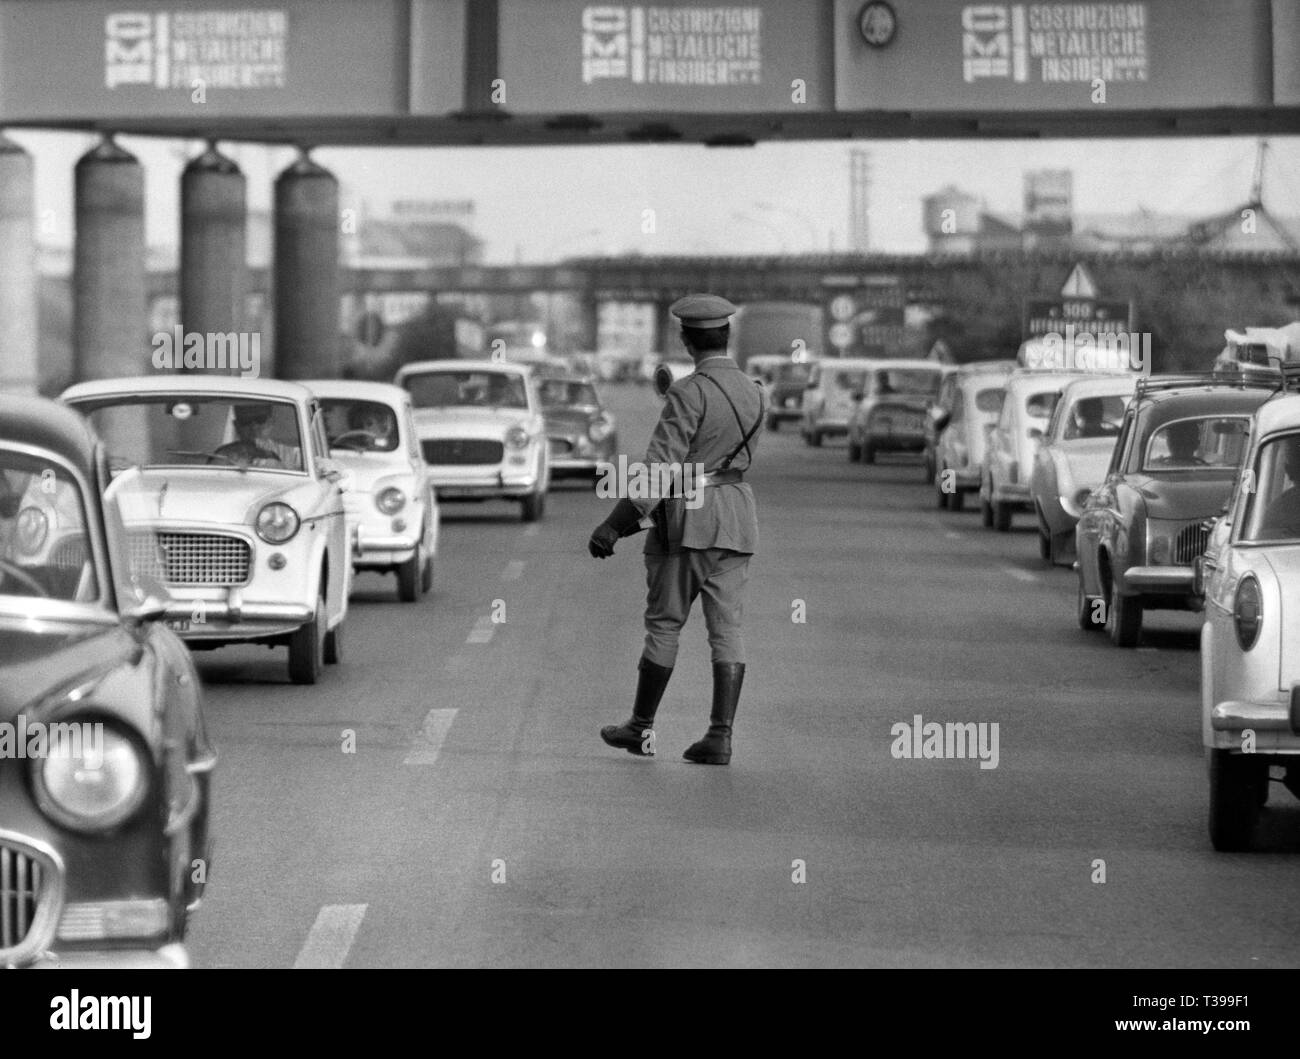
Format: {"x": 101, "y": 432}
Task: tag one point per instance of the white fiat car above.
{"x": 1250, "y": 669}
{"x": 232, "y": 500}
{"x": 481, "y": 430}
{"x": 390, "y": 503}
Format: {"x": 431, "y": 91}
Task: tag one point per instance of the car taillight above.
{"x": 1248, "y": 612}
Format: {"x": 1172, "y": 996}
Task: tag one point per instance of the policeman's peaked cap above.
{"x": 703, "y": 310}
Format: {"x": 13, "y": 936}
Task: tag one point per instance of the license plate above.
{"x": 178, "y": 624}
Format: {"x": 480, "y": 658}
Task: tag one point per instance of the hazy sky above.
{"x": 540, "y": 204}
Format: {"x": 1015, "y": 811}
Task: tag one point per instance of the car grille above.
{"x": 69, "y": 554}
{"x": 443, "y": 451}
{"x": 26, "y": 884}
{"x": 1190, "y": 543}
{"x": 192, "y": 558}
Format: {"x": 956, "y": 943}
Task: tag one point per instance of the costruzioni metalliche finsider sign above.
{"x": 114, "y": 58}
{"x": 571, "y": 55}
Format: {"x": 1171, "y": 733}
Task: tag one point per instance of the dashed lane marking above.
{"x": 425, "y": 749}
{"x": 483, "y": 631}
{"x": 1020, "y": 575}
{"x": 533, "y": 530}
{"x": 330, "y": 938}
{"x": 513, "y": 571}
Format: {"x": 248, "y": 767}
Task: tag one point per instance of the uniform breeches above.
{"x": 674, "y": 580}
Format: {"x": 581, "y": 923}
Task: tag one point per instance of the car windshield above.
{"x": 1095, "y": 417}
{"x": 791, "y": 373}
{"x": 562, "y": 393}
{"x": 467, "y": 389}
{"x": 359, "y": 426}
{"x": 1204, "y": 443}
{"x": 990, "y": 400}
{"x": 44, "y": 541}
{"x": 197, "y": 430}
{"x": 1273, "y": 507}
{"x": 913, "y": 383}
{"x": 849, "y": 380}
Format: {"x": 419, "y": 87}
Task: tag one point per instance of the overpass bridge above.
{"x": 523, "y": 72}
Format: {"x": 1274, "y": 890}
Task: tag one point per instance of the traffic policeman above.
{"x": 698, "y": 545}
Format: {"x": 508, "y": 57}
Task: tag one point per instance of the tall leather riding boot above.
{"x": 715, "y": 748}
{"x": 630, "y": 736}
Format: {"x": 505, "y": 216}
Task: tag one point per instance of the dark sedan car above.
{"x": 579, "y": 430}
{"x": 1179, "y": 449}
{"x": 104, "y": 762}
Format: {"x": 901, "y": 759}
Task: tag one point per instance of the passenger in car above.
{"x": 255, "y": 447}
{"x": 1283, "y": 516}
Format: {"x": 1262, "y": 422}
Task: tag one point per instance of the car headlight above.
{"x": 390, "y": 501}
{"x": 600, "y": 429}
{"x": 516, "y": 437}
{"x": 94, "y": 783}
{"x": 31, "y": 530}
{"x": 1248, "y": 612}
{"x": 277, "y": 523}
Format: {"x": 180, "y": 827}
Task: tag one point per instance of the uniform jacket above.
{"x": 697, "y": 426}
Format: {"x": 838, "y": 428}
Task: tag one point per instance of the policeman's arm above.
{"x": 671, "y": 440}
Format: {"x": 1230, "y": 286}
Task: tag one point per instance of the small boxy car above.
{"x": 481, "y": 430}
{"x": 392, "y": 512}
{"x": 828, "y": 396}
{"x": 1250, "y": 671}
{"x": 785, "y": 379}
{"x": 1179, "y": 449}
{"x": 970, "y": 399}
{"x": 1027, "y": 408}
{"x": 891, "y": 407}
{"x": 1072, "y": 458}
{"x": 235, "y": 505}
{"x": 579, "y": 429}
{"x": 104, "y": 849}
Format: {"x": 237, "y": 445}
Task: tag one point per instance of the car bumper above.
{"x": 1270, "y": 721}
{"x": 226, "y": 620}
{"x": 485, "y": 490}
{"x": 1158, "y": 580}
{"x": 376, "y": 549}
{"x": 576, "y": 464}
{"x": 1012, "y": 494}
{"x": 167, "y": 957}
{"x": 897, "y": 440}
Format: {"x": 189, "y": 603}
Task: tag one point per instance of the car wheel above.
{"x": 956, "y": 499}
{"x": 408, "y": 577}
{"x": 941, "y": 498}
{"x": 1087, "y": 610}
{"x": 986, "y": 511}
{"x": 773, "y": 423}
{"x": 815, "y": 438}
{"x": 1062, "y": 545}
{"x": 868, "y": 452}
{"x": 534, "y": 506}
{"x": 1001, "y": 516}
{"x": 1044, "y": 546}
{"x": 855, "y": 452}
{"x": 1234, "y": 800}
{"x": 334, "y": 645}
{"x": 307, "y": 648}
{"x": 927, "y": 467}
{"x": 426, "y": 575}
{"x": 1123, "y": 617}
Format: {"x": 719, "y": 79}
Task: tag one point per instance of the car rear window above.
{"x": 990, "y": 400}
{"x": 1041, "y": 405}
{"x": 1204, "y": 443}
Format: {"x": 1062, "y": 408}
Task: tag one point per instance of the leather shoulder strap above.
{"x": 746, "y": 434}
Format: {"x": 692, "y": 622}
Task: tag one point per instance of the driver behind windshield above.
{"x": 1183, "y": 439}
{"x": 375, "y": 421}
{"x": 255, "y": 447}
{"x": 1282, "y": 519}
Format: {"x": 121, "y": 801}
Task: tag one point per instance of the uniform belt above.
{"x": 727, "y": 477}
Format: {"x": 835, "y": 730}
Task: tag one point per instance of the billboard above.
{"x": 952, "y": 55}
{"x": 133, "y": 58}
{"x": 1286, "y": 53}
{"x": 572, "y": 56}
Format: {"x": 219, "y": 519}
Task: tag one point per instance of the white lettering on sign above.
{"x": 1063, "y": 43}
{"x": 672, "y": 45}
{"x": 218, "y": 49}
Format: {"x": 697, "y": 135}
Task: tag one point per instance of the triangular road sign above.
{"x": 1079, "y": 285}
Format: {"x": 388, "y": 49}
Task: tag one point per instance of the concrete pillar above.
{"x": 664, "y": 338}
{"x": 20, "y": 347}
{"x": 214, "y": 265}
{"x": 110, "y": 315}
{"x": 307, "y": 279}
{"x": 109, "y": 308}
{"x": 589, "y": 316}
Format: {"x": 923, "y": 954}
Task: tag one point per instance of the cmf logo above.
{"x": 130, "y": 49}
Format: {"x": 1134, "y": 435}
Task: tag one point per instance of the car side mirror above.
{"x": 150, "y": 603}
{"x": 333, "y": 471}
{"x": 940, "y": 417}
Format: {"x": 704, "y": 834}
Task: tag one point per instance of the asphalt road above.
{"x": 478, "y": 819}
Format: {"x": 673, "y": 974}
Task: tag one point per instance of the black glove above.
{"x": 623, "y": 521}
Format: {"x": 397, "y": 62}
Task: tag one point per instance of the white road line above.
{"x": 953, "y": 535}
{"x": 425, "y": 749}
{"x": 1020, "y": 575}
{"x": 483, "y": 631}
{"x": 532, "y": 530}
{"x": 513, "y": 571}
{"x": 331, "y": 937}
